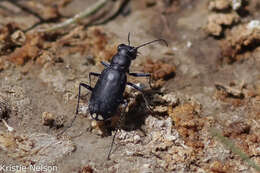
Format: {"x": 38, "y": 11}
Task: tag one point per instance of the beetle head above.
{"x": 126, "y": 53}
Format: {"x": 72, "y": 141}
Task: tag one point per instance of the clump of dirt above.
{"x": 235, "y": 94}
{"x": 240, "y": 40}
{"x": 224, "y": 13}
{"x": 51, "y": 120}
{"x": 160, "y": 71}
{"x": 188, "y": 123}
{"x": 219, "y": 4}
{"x": 29, "y": 51}
{"x": 230, "y": 94}
{"x": 8, "y": 38}
{"x": 86, "y": 169}
{"x": 216, "y": 22}
{"x": 237, "y": 36}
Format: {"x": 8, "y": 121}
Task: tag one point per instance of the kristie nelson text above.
{"x": 14, "y": 168}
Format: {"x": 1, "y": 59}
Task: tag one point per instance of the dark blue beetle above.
{"x": 108, "y": 92}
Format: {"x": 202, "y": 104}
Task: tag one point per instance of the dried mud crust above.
{"x": 35, "y": 149}
{"x": 238, "y": 37}
{"x": 183, "y": 138}
{"x": 241, "y": 40}
{"x": 191, "y": 95}
{"x": 160, "y": 71}
{"x": 36, "y": 46}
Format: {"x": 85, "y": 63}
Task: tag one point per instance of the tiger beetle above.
{"x": 108, "y": 92}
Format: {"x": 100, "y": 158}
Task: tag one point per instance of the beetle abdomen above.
{"x": 107, "y": 93}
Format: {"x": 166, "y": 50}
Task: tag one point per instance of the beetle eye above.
{"x": 120, "y": 46}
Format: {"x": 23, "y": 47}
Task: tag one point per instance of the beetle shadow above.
{"x": 135, "y": 117}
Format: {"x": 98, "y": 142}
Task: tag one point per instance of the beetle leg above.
{"x": 143, "y": 75}
{"x": 92, "y": 74}
{"x": 105, "y": 64}
{"x": 74, "y": 118}
{"x": 97, "y": 74}
{"x": 85, "y": 86}
{"x": 140, "y": 90}
{"x": 125, "y": 103}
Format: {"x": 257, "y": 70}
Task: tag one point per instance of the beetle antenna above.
{"x": 151, "y": 42}
{"x": 129, "y": 39}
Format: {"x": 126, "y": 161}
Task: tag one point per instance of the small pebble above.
{"x": 47, "y": 118}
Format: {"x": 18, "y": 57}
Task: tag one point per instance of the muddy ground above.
{"x": 205, "y": 86}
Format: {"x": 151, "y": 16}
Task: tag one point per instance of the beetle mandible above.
{"x": 108, "y": 92}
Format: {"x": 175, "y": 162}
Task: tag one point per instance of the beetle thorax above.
{"x": 122, "y": 60}
{"x": 121, "y": 63}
